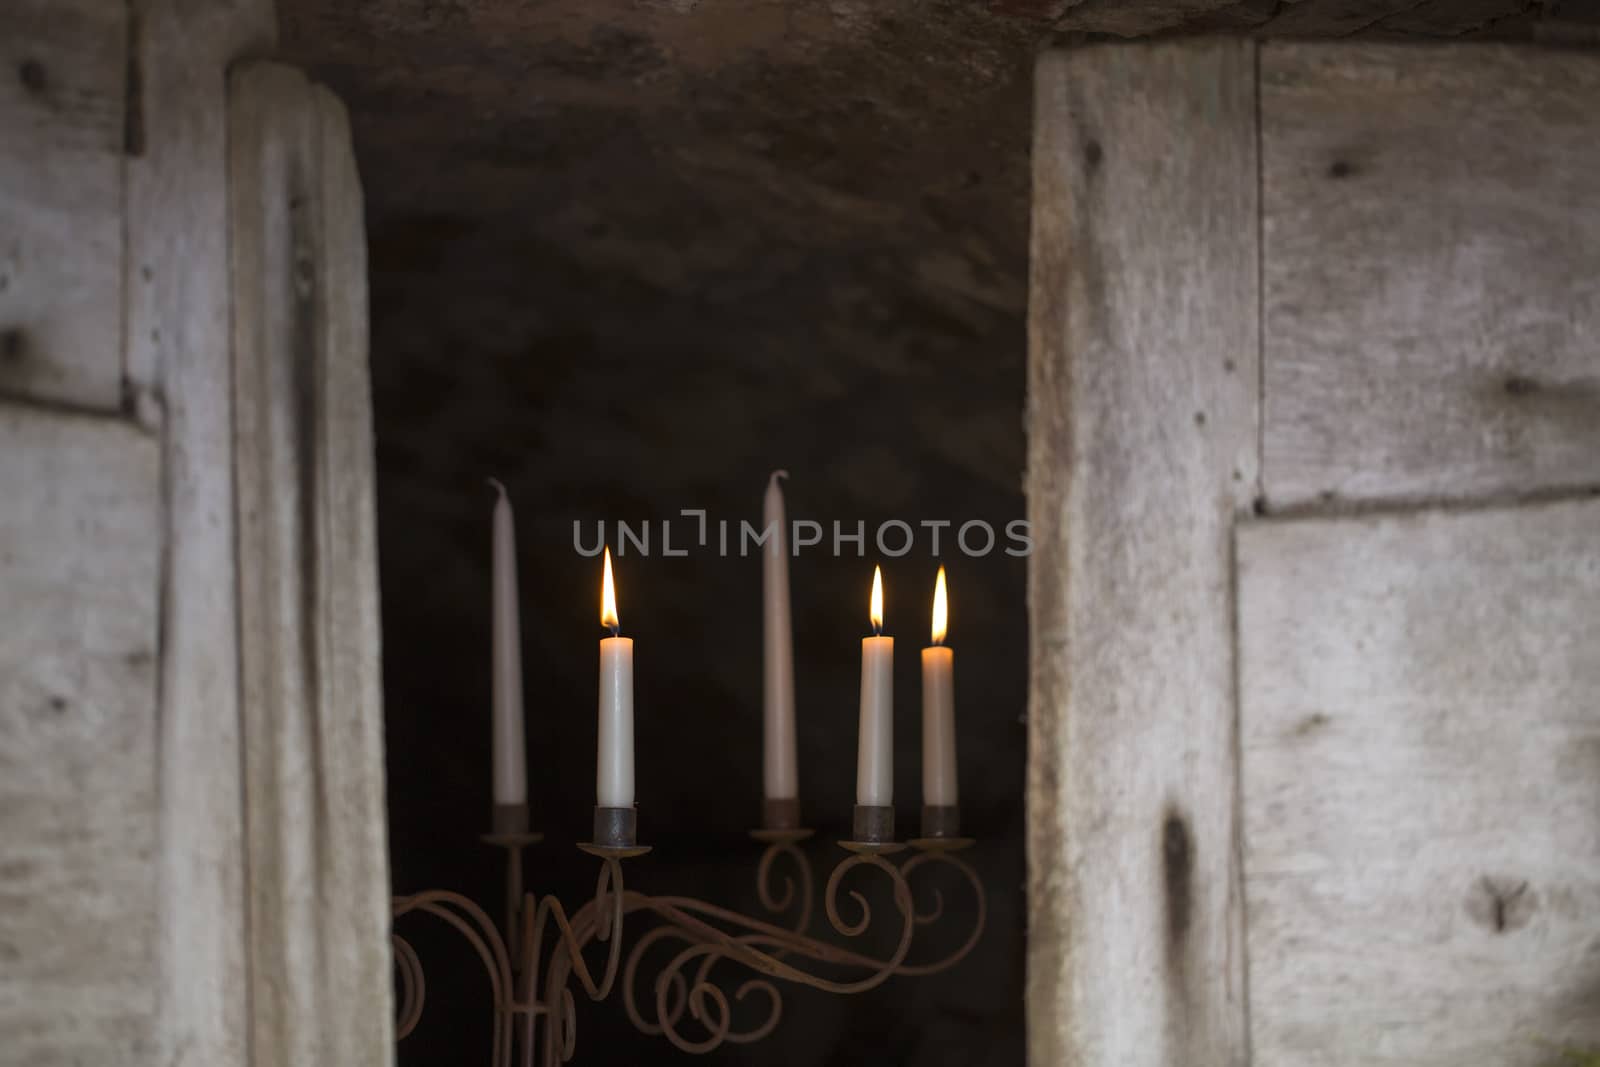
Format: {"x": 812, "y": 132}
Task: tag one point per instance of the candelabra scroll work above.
{"x": 702, "y": 941}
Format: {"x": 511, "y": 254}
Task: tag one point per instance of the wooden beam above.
{"x": 320, "y": 966}
{"x": 1421, "y": 767}
{"x": 1141, "y": 450}
{"x": 180, "y": 376}
{"x": 1431, "y": 265}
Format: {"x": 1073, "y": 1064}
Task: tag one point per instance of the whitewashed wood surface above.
{"x": 1141, "y": 446}
{"x": 62, "y": 134}
{"x": 1431, "y": 271}
{"x": 1420, "y": 725}
{"x": 321, "y": 975}
{"x": 80, "y": 573}
{"x": 178, "y": 359}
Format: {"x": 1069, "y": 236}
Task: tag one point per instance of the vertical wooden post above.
{"x": 190, "y": 582}
{"x": 178, "y": 370}
{"x": 1142, "y": 413}
{"x": 321, "y": 977}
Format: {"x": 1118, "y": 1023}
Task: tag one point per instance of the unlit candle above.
{"x": 510, "y": 758}
{"x": 780, "y": 771}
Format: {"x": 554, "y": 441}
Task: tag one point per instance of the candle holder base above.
{"x": 508, "y": 820}
{"x": 532, "y": 982}
{"x": 941, "y": 820}
{"x": 510, "y": 832}
{"x": 615, "y": 827}
{"x": 613, "y": 852}
{"x": 872, "y": 823}
{"x": 780, "y": 813}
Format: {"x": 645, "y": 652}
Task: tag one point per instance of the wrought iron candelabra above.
{"x": 532, "y": 989}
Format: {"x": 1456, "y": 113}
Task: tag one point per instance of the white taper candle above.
{"x": 614, "y": 751}
{"x": 780, "y": 770}
{"x": 939, "y": 710}
{"x": 510, "y": 757}
{"x": 875, "y": 745}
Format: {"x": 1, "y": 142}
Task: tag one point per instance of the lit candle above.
{"x": 614, "y": 761}
{"x": 510, "y": 766}
{"x": 939, "y": 709}
{"x": 780, "y": 774}
{"x": 875, "y": 751}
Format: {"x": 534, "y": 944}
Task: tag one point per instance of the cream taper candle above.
{"x": 614, "y": 752}
{"x": 939, "y": 709}
{"x": 510, "y": 759}
{"x": 780, "y": 772}
{"x": 875, "y": 746}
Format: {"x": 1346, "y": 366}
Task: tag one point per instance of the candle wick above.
{"x": 877, "y": 629}
{"x": 498, "y": 486}
{"x": 614, "y": 629}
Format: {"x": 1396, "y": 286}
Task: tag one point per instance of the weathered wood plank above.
{"x": 1142, "y": 440}
{"x": 80, "y": 557}
{"x": 313, "y": 719}
{"x": 1421, "y": 764}
{"x": 1431, "y": 271}
{"x": 179, "y": 368}
{"x": 350, "y": 675}
{"x": 62, "y": 110}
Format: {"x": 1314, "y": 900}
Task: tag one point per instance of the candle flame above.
{"x": 941, "y": 609}
{"x": 876, "y": 610}
{"x": 608, "y": 598}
